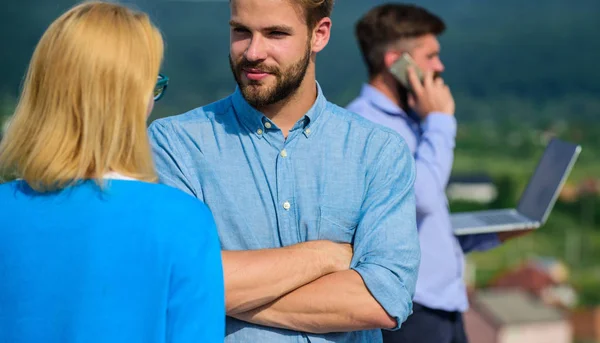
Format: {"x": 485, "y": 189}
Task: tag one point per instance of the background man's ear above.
{"x": 390, "y": 57}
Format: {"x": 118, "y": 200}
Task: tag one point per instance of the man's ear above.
{"x": 390, "y": 57}
{"x": 321, "y": 34}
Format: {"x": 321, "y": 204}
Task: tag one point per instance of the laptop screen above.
{"x": 544, "y": 186}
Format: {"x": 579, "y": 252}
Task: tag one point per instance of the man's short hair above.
{"x": 314, "y": 10}
{"x": 388, "y": 24}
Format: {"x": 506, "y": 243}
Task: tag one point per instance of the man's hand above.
{"x": 508, "y": 235}
{"x": 338, "y": 302}
{"x": 338, "y": 255}
{"x": 431, "y": 96}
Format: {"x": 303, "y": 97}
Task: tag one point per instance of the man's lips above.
{"x": 255, "y": 74}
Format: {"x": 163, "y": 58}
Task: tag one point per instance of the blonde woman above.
{"x": 91, "y": 248}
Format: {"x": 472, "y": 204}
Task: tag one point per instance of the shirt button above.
{"x": 267, "y": 125}
{"x": 283, "y": 153}
{"x": 259, "y": 131}
{"x": 286, "y": 205}
{"x": 307, "y": 131}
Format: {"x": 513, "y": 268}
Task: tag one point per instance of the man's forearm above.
{"x": 433, "y": 159}
{"x": 258, "y": 277}
{"x": 435, "y": 152}
{"x": 337, "y": 302}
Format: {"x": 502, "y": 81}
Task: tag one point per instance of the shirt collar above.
{"x": 255, "y": 121}
{"x": 379, "y": 100}
{"x": 117, "y": 176}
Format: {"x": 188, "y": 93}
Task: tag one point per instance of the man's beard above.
{"x": 286, "y": 82}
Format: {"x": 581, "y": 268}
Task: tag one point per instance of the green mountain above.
{"x": 540, "y": 56}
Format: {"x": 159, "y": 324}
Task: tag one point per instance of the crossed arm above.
{"x": 254, "y": 278}
{"x": 298, "y": 291}
{"x": 375, "y": 292}
{"x": 315, "y": 286}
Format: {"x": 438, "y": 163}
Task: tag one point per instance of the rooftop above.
{"x": 513, "y": 306}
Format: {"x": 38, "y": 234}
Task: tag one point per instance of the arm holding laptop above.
{"x": 508, "y": 235}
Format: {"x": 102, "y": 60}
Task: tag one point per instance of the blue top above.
{"x": 138, "y": 263}
{"x": 440, "y": 284}
{"x": 336, "y": 177}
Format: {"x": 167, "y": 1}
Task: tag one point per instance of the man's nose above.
{"x": 256, "y": 51}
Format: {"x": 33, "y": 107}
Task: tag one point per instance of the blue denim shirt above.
{"x": 440, "y": 285}
{"x": 336, "y": 177}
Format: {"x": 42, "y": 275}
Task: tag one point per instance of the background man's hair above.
{"x": 389, "y": 24}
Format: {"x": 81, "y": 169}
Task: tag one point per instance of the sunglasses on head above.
{"x": 161, "y": 86}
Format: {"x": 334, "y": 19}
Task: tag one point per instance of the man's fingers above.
{"x": 428, "y": 78}
{"x": 411, "y": 101}
{"x": 414, "y": 80}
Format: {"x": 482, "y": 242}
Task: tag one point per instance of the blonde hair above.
{"x": 83, "y": 109}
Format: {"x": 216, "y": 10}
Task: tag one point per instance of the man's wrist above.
{"x": 318, "y": 252}
{"x": 438, "y": 121}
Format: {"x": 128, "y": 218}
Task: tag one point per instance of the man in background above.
{"x": 425, "y": 118}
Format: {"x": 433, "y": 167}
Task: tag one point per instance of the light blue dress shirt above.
{"x": 336, "y": 177}
{"x": 440, "y": 284}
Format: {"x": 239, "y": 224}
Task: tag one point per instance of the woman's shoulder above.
{"x": 6, "y": 186}
{"x": 162, "y": 195}
{"x": 176, "y": 213}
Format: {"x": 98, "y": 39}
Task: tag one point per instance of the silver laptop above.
{"x": 537, "y": 200}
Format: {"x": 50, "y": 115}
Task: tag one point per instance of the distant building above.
{"x": 478, "y": 188}
{"x": 571, "y": 192}
{"x": 545, "y": 278}
{"x": 514, "y": 316}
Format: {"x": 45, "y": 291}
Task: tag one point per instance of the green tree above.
{"x": 506, "y": 193}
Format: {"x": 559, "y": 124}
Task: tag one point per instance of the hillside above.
{"x": 495, "y": 51}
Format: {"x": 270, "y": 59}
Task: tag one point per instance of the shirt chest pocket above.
{"x": 337, "y": 225}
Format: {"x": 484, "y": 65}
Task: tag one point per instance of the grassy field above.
{"x": 588, "y": 165}
{"x": 577, "y": 247}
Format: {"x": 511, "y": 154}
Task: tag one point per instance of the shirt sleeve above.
{"x": 386, "y": 245}
{"x": 478, "y": 242}
{"x": 168, "y": 160}
{"x": 434, "y": 157}
{"x": 196, "y": 309}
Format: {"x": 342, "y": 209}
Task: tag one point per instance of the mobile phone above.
{"x": 400, "y": 72}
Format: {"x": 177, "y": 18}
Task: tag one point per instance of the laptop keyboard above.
{"x": 498, "y": 218}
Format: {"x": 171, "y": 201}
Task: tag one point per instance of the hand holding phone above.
{"x": 400, "y": 70}
{"x": 430, "y": 96}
